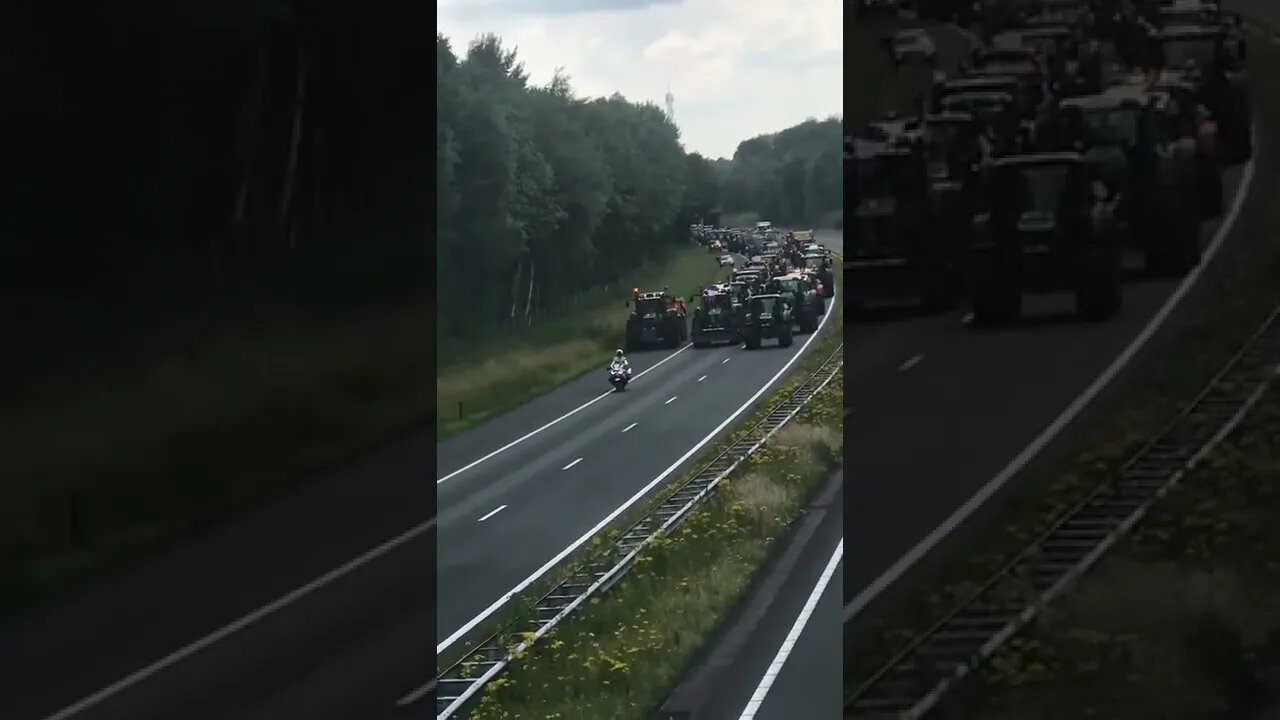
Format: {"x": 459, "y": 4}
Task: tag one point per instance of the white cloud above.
{"x": 737, "y": 68}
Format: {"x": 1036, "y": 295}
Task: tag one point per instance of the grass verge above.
{"x": 477, "y": 381}
{"x": 622, "y": 655}
{"x": 102, "y": 465}
{"x": 1233, "y": 296}
{"x": 520, "y": 611}
{"x": 1181, "y": 620}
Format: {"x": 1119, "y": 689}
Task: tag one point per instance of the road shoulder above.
{"x": 722, "y": 681}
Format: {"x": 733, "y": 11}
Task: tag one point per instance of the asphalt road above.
{"x": 540, "y": 496}
{"x": 938, "y": 409}
{"x": 746, "y": 668}
{"x": 810, "y": 683}
{"x": 319, "y": 605}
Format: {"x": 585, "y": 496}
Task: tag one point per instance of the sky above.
{"x": 737, "y": 68}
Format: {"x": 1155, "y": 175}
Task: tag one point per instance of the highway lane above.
{"x": 315, "y": 605}
{"x": 810, "y": 682}
{"x": 541, "y": 496}
{"x": 938, "y": 409}
{"x": 778, "y": 654}
{"x": 264, "y": 610}
{"x": 250, "y": 607}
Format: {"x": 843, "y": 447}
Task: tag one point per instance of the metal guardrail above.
{"x": 458, "y": 685}
{"x": 914, "y": 681}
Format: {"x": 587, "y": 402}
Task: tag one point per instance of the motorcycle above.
{"x": 619, "y": 377}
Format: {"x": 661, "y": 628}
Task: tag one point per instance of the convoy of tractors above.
{"x": 1079, "y": 143}
{"x": 778, "y": 285}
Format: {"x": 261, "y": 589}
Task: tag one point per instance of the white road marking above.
{"x": 416, "y": 695}
{"x": 575, "y": 462}
{"x": 904, "y": 563}
{"x": 704, "y": 377}
{"x": 408, "y": 535}
{"x": 780, "y": 659}
{"x": 572, "y": 412}
{"x": 642, "y": 492}
{"x": 630, "y": 426}
{"x": 914, "y": 361}
{"x": 227, "y": 630}
{"x": 673, "y": 399}
{"x": 725, "y": 360}
{"x": 492, "y": 513}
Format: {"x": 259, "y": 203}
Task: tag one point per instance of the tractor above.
{"x": 657, "y": 318}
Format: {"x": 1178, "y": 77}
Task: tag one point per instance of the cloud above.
{"x": 736, "y": 69}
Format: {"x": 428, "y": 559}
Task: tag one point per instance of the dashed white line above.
{"x": 630, "y": 426}
{"x": 673, "y": 399}
{"x": 780, "y": 659}
{"x": 704, "y": 377}
{"x": 497, "y": 604}
{"x": 914, "y": 361}
{"x": 574, "y": 411}
{"x": 575, "y": 462}
{"x": 725, "y": 360}
{"x": 491, "y": 513}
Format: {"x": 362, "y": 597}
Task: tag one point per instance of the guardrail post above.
{"x": 459, "y": 409}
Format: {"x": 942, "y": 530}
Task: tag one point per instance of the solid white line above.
{"x": 575, "y": 462}
{"x": 492, "y": 513}
{"x": 572, "y": 412}
{"x": 673, "y": 399}
{"x": 780, "y": 659}
{"x": 642, "y": 492}
{"x": 890, "y": 576}
{"x": 915, "y": 360}
{"x": 630, "y": 426}
{"x": 704, "y": 377}
{"x": 416, "y": 695}
{"x": 195, "y": 647}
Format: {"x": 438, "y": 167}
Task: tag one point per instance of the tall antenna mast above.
{"x": 671, "y": 105}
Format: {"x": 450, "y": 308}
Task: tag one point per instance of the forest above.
{"x": 237, "y": 139}
{"x": 175, "y": 161}
{"x": 543, "y": 196}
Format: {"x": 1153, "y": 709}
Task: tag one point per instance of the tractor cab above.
{"x": 656, "y": 317}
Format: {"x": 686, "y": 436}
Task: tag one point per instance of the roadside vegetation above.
{"x": 782, "y": 476}
{"x": 500, "y": 371}
{"x": 621, "y": 656}
{"x": 1181, "y": 620}
{"x": 520, "y": 610}
{"x": 204, "y": 301}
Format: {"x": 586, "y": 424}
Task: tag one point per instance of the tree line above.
{"x": 542, "y": 196}
{"x": 793, "y": 177}
{"x": 219, "y": 145}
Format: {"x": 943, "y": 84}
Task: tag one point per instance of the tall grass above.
{"x": 508, "y": 369}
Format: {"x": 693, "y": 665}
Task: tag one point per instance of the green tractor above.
{"x": 657, "y": 318}
{"x": 717, "y": 318}
{"x": 768, "y": 317}
{"x": 801, "y": 291}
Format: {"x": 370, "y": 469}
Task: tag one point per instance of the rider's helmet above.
{"x": 617, "y": 354}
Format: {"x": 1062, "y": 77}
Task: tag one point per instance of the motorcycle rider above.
{"x": 621, "y": 360}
